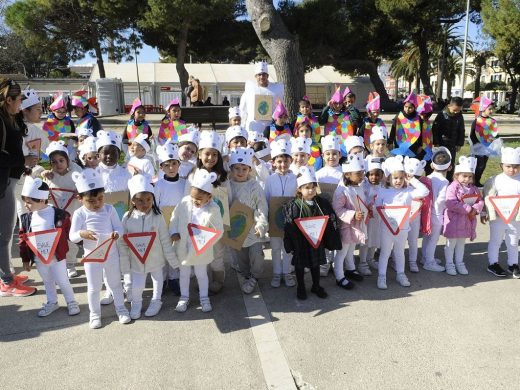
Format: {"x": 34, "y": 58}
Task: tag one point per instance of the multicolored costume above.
{"x": 54, "y": 127}
{"x": 171, "y": 130}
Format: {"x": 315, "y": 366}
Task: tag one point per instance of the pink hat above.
{"x": 135, "y": 104}
{"x": 374, "y": 102}
{"x": 174, "y": 102}
{"x": 59, "y": 102}
{"x": 79, "y": 99}
{"x": 412, "y": 98}
{"x": 279, "y": 110}
{"x": 336, "y": 97}
{"x": 485, "y": 102}
{"x": 306, "y": 98}
{"x": 346, "y": 92}
{"x": 425, "y": 104}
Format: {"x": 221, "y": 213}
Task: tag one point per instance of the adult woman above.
{"x": 197, "y": 94}
{"x": 12, "y": 166}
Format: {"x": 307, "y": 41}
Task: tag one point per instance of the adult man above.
{"x": 259, "y": 100}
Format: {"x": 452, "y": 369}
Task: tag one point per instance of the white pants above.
{"x": 72, "y": 254}
{"x": 366, "y": 253}
{"x": 413, "y": 239}
{"x": 429, "y": 243}
{"x": 344, "y": 260}
{"x": 94, "y": 272}
{"x": 139, "y": 281}
{"x": 281, "y": 259}
{"x": 454, "y": 245}
{"x": 219, "y": 251}
{"x": 498, "y": 229}
{"x": 201, "y": 273}
{"x": 54, "y": 274}
{"x": 390, "y": 242}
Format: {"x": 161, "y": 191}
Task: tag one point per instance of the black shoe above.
{"x": 319, "y": 291}
{"x": 345, "y": 283}
{"x": 514, "y": 270}
{"x": 301, "y": 294}
{"x": 173, "y": 284}
{"x": 496, "y": 270}
{"x": 354, "y": 275}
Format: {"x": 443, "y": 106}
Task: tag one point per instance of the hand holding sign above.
{"x": 100, "y": 253}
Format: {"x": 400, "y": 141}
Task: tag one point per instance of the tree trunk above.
{"x": 478, "y": 74}
{"x": 370, "y": 68}
{"x": 282, "y": 47}
{"x": 448, "y": 88}
{"x": 99, "y": 58}
{"x": 182, "y": 43}
{"x": 424, "y": 63}
{"x": 514, "y": 94}
{"x": 417, "y": 84}
{"x": 409, "y": 86}
{"x": 441, "y": 69}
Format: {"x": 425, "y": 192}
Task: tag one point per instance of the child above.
{"x": 234, "y": 116}
{"x": 349, "y": 99}
{"x": 236, "y": 137}
{"x": 88, "y": 154}
{"x": 405, "y": 135}
{"x": 188, "y": 147}
{"x": 371, "y": 120}
{"x": 249, "y": 193}
{"x": 300, "y": 153}
{"x": 115, "y": 177}
{"x": 85, "y": 109}
{"x": 506, "y": 183}
{"x": 463, "y": 204}
{"x": 58, "y": 121}
{"x": 279, "y": 125}
{"x": 93, "y": 223}
{"x": 308, "y": 204}
{"x": 197, "y": 208}
{"x": 281, "y": 183}
{"x": 139, "y": 161}
{"x": 32, "y": 110}
{"x": 354, "y": 145}
{"x": 352, "y": 220}
{"x": 172, "y": 126}
{"x": 137, "y": 123}
{"x": 305, "y": 115}
{"x": 400, "y": 190}
{"x": 441, "y": 164}
{"x": 305, "y": 130}
{"x": 377, "y": 142}
{"x": 262, "y": 168}
{"x": 335, "y": 119}
{"x": 425, "y": 111}
{"x": 145, "y": 216}
{"x": 40, "y": 217}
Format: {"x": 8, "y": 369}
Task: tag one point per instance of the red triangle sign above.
{"x": 62, "y": 198}
{"x": 34, "y": 146}
{"x": 202, "y": 237}
{"x": 470, "y": 199}
{"x": 44, "y": 243}
{"x": 140, "y": 244}
{"x": 363, "y": 207}
{"x": 313, "y": 228}
{"x": 394, "y": 217}
{"x": 506, "y": 206}
{"x": 100, "y": 253}
{"x": 415, "y": 209}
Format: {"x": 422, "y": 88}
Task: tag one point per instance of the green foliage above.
{"x": 495, "y": 86}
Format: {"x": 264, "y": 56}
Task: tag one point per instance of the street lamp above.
{"x": 463, "y": 81}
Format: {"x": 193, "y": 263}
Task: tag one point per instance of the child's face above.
{"x": 137, "y": 150}
{"x": 82, "y": 138}
{"x": 187, "y": 151}
{"x": 60, "y": 113}
{"x": 199, "y": 198}
{"x": 349, "y": 100}
{"x": 378, "y": 147}
{"x": 175, "y": 113}
{"x": 170, "y": 168}
{"x": 91, "y": 159}
{"x": 408, "y": 108}
{"x": 375, "y": 176}
{"x": 331, "y": 158}
{"x": 79, "y": 111}
{"x": 139, "y": 114}
{"x": 356, "y": 150}
{"x": 337, "y": 106}
{"x": 373, "y": 114}
{"x": 208, "y": 157}
{"x": 282, "y": 163}
{"x": 397, "y": 179}
{"x": 464, "y": 178}
{"x": 308, "y": 191}
{"x": 237, "y": 142}
{"x": 143, "y": 201}
{"x": 304, "y": 131}
{"x": 300, "y": 159}
{"x": 305, "y": 109}
{"x": 33, "y": 205}
{"x": 355, "y": 177}
{"x": 240, "y": 172}
{"x": 109, "y": 155}
{"x": 282, "y": 120}
{"x": 93, "y": 203}
{"x": 487, "y": 112}
{"x": 59, "y": 164}
{"x": 454, "y": 109}
{"x": 32, "y": 114}
{"x": 511, "y": 169}
{"x": 235, "y": 121}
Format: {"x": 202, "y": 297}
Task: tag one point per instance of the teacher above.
{"x": 12, "y": 166}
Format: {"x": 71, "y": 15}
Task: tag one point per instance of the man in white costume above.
{"x": 259, "y": 100}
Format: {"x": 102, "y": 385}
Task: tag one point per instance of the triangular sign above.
{"x": 44, "y": 243}
{"x": 415, "y": 209}
{"x": 313, "y": 228}
{"x": 506, "y": 206}
{"x": 394, "y": 217}
{"x": 62, "y": 198}
{"x": 140, "y": 244}
{"x": 363, "y": 207}
{"x": 100, "y": 253}
{"x": 470, "y": 199}
{"x": 34, "y": 146}
{"x": 202, "y": 237}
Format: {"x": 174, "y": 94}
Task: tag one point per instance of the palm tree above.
{"x": 453, "y": 68}
{"x": 479, "y": 61}
{"x": 407, "y": 67}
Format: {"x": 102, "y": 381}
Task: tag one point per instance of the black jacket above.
{"x": 448, "y": 130}
{"x": 11, "y": 156}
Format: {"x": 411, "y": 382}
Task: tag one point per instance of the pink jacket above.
{"x": 456, "y": 221}
{"x": 351, "y": 231}
{"x": 426, "y": 208}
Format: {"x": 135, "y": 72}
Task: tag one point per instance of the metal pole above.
{"x": 137, "y": 71}
{"x": 463, "y": 81}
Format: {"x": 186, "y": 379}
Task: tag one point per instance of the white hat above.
{"x": 141, "y": 139}
{"x": 352, "y": 142}
{"x": 466, "y": 165}
{"x": 192, "y": 135}
{"x": 279, "y": 147}
{"x": 108, "y": 137}
{"x": 139, "y": 183}
{"x": 30, "y": 188}
{"x": 233, "y": 112}
{"x": 354, "y": 163}
{"x": 372, "y": 163}
{"x": 203, "y": 180}
{"x": 87, "y": 180}
{"x": 167, "y": 151}
{"x": 331, "y": 142}
{"x": 235, "y": 131}
{"x": 85, "y": 131}
{"x": 306, "y": 175}
{"x": 210, "y": 139}
{"x": 87, "y": 146}
{"x": 378, "y": 132}
{"x": 414, "y": 167}
{"x": 241, "y": 156}
{"x": 301, "y": 145}
{"x": 443, "y": 149}
{"x": 261, "y": 67}
{"x": 254, "y": 137}
{"x": 30, "y": 98}
{"x": 393, "y": 164}
{"x": 510, "y": 156}
{"x": 56, "y": 146}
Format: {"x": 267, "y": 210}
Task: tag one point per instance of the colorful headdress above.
{"x": 336, "y": 97}
{"x": 374, "y": 102}
{"x": 174, "y": 102}
{"x": 79, "y": 99}
{"x": 279, "y": 110}
{"x": 411, "y": 98}
{"x": 59, "y": 102}
{"x": 485, "y": 102}
{"x": 425, "y": 104}
{"x": 346, "y": 92}
{"x": 135, "y": 105}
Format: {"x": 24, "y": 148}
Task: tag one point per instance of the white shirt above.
{"x": 280, "y": 185}
{"x": 439, "y": 187}
{"x": 169, "y": 193}
{"x": 115, "y": 177}
{"x": 42, "y": 219}
{"x": 330, "y": 175}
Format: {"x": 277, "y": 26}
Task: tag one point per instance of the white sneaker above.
{"x": 364, "y": 269}
{"x": 413, "y": 267}
{"x": 182, "y": 305}
{"x": 153, "y": 308}
{"x": 107, "y": 299}
{"x": 277, "y": 279}
{"x": 73, "y": 308}
{"x": 95, "y": 323}
{"x": 450, "y": 269}
{"x": 135, "y": 310}
{"x": 324, "y": 269}
{"x": 403, "y": 280}
{"x": 249, "y": 285}
{"x": 206, "y": 306}
{"x": 47, "y": 309}
{"x": 72, "y": 272}
{"x": 381, "y": 282}
{"x": 290, "y": 280}
{"x": 461, "y": 269}
{"x": 438, "y": 261}
{"x": 433, "y": 267}
{"x": 123, "y": 314}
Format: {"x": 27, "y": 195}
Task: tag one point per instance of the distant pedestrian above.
{"x": 225, "y": 101}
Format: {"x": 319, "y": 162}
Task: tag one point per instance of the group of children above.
{"x": 316, "y": 190}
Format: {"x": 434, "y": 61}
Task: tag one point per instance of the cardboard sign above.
{"x": 276, "y": 219}
{"x": 120, "y": 200}
{"x": 140, "y": 244}
{"x": 416, "y": 209}
{"x": 241, "y": 220}
{"x": 100, "y": 253}
{"x": 327, "y": 190}
{"x": 44, "y": 243}
{"x": 220, "y": 197}
{"x": 264, "y": 154}
{"x": 61, "y": 197}
{"x": 167, "y": 212}
{"x": 394, "y": 217}
{"x": 263, "y": 107}
{"x": 34, "y": 146}
{"x": 313, "y": 228}
{"x": 362, "y": 206}
{"x": 506, "y": 206}
{"x": 470, "y": 199}
{"x": 202, "y": 237}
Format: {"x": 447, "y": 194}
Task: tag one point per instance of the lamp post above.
{"x": 463, "y": 81}
{"x": 137, "y": 71}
